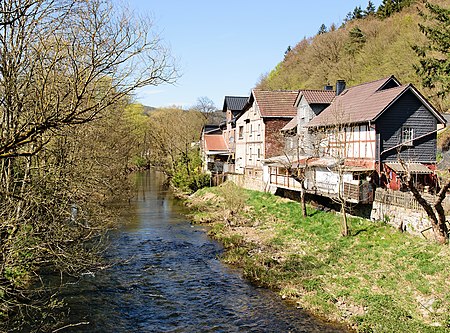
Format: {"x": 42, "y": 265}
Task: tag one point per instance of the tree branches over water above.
{"x": 67, "y": 69}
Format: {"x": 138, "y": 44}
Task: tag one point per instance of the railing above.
{"x": 401, "y": 199}
{"x": 285, "y": 181}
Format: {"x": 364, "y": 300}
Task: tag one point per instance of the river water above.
{"x": 170, "y": 280}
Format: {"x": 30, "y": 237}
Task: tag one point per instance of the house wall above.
{"x": 230, "y": 132}
{"x": 274, "y": 141}
{"x": 305, "y": 113}
{"x": 408, "y": 110}
{"x": 353, "y": 142}
{"x": 250, "y": 146}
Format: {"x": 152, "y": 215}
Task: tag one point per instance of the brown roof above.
{"x": 275, "y": 103}
{"x": 291, "y": 124}
{"x": 318, "y": 96}
{"x": 359, "y": 103}
{"x": 215, "y": 142}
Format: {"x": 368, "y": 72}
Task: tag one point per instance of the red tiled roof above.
{"x": 359, "y": 103}
{"x": 214, "y": 142}
{"x": 276, "y": 103}
{"x": 318, "y": 96}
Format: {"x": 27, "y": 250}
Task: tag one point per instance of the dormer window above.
{"x": 407, "y": 135}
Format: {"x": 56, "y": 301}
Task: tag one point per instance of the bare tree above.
{"x": 64, "y": 62}
{"x": 434, "y": 209}
{"x": 67, "y": 68}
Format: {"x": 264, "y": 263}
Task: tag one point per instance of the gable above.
{"x": 407, "y": 111}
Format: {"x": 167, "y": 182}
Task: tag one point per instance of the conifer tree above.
{"x": 370, "y": 10}
{"x": 434, "y": 68}
{"x": 358, "y": 13}
{"x": 322, "y": 29}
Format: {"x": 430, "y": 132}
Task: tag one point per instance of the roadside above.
{"x": 375, "y": 280}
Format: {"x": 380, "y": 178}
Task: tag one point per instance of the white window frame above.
{"x": 407, "y": 135}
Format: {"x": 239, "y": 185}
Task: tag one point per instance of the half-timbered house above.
{"x": 369, "y": 136}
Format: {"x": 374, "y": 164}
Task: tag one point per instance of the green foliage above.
{"x": 357, "y": 39}
{"x": 370, "y": 10}
{"x": 234, "y": 198}
{"x": 434, "y": 56}
{"x": 389, "y": 7}
{"x": 188, "y": 175}
{"x": 322, "y": 29}
{"x": 361, "y": 50}
{"x": 377, "y": 280}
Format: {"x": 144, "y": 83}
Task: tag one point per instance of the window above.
{"x": 251, "y": 129}
{"x": 241, "y": 132}
{"x": 250, "y": 154}
{"x": 259, "y": 129}
{"x": 259, "y": 153}
{"x": 407, "y": 135}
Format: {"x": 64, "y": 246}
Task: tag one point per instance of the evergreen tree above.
{"x": 356, "y": 42}
{"x": 348, "y": 17}
{"x": 322, "y": 29}
{"x": 434, "y": 67}
{"x": 389, "y": 7}
{"x": 357, "y": 13}
{"x": 370, "y": 10}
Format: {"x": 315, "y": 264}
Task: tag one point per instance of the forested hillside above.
{"x": 370, "y": 44}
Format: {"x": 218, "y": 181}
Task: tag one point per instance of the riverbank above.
{"x": 375, "y": 280}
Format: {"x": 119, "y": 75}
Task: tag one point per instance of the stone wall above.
{"x": 410, "y": 220}
{"x": 248, "y": 182}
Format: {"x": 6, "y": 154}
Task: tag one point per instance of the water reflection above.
{"x": 169, "y": 280}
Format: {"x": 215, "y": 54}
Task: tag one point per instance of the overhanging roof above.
{"x": 417, "y": 168}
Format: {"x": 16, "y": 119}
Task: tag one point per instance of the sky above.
{"x": 223, "y": 47}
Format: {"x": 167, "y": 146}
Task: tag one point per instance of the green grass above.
{"x": 376, "y": 280}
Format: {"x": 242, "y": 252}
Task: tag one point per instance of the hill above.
{"x": 361, "y": 50}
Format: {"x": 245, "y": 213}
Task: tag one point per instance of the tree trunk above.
{"x": 302, "y": 200}
{"x": 344, "y": 227}
{"x": 436, "y": 215}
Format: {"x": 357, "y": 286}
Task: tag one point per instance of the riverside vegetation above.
{"x": 376, "y": 280}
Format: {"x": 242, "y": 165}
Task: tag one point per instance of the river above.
{"x": 169, "y": 280}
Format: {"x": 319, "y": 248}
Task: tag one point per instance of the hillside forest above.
{"x": 369, "y": 45}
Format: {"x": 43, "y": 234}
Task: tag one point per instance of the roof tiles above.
{"x": 276, "y": 103}
{"x": 234, "y": 103}
{"x": 358, "y": 104}
{"x": 215, "y": 142}
{"x": 318, "y": 96}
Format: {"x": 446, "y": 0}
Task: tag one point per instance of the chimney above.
{"x": 340, "y": 87}
{"x": 328, "y": 88}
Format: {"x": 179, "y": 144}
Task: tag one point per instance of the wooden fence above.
{"x": 406, "y": 199}
{"x": 217, "y": 179}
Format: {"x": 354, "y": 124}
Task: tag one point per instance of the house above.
{"x": 367, "y": 137}
{"x": 232, "y": 106}
{"x": 214, "y": 150}
{"x": 309, "y": 104}
{"x": 258, "y": 129}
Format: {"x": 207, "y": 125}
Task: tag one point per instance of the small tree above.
{"x": 322, "y": 30}
{"x": 370, "y": 10}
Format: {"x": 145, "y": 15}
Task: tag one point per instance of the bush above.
{"x": 188, "y": 175}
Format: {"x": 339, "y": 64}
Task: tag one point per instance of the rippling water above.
{"x": 170, "y": 280}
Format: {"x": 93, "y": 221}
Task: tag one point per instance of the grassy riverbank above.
{"x": 376, "y": 280}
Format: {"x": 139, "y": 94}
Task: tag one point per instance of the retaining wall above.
{"x": 409, "y": 220}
